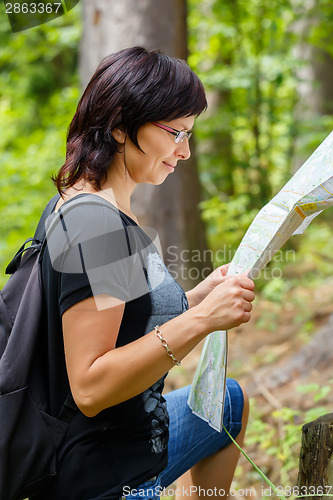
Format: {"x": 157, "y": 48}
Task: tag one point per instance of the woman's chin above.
{"x": 157, "y": 181}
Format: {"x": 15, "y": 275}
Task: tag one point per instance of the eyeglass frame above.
{"x": 180, "y": 135}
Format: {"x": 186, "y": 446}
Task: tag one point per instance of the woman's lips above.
{"x": 170, "y": 167}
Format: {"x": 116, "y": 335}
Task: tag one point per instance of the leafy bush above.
{"x": 39, "y": 91}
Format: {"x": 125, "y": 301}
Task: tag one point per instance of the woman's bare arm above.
{"x": 101, "y": 375}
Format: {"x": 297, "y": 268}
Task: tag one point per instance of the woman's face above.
{"x": 161, "y": 153}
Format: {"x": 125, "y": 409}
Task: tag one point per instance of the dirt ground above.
{"x": 281, "y": 348}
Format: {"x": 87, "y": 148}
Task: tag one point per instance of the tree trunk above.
{"x": 315, "y": 89}
{"x": 315, "y": 475}
{"x": 172, "y": 208}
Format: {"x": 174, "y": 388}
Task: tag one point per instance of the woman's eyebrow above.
{"x": 184, "y": 129}
{"x": 181, "y": 127}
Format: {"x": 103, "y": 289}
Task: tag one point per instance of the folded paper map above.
{"x": 307, "y": 194}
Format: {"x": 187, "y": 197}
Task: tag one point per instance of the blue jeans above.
{"x": 191, "y": 439}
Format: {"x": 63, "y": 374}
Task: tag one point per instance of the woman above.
{"x": 117, "y": 321}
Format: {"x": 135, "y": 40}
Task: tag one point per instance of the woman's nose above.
{"x": 183, "y": 150}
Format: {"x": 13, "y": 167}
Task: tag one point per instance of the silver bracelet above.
{"x": 165, "y": 344}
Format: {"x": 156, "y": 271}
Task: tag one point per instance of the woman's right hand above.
{"x": 229, "y": 304}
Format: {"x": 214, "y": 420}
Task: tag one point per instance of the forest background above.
{"x": 268, "y": 70}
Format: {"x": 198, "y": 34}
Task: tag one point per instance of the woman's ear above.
{"x": 119, "y": 134}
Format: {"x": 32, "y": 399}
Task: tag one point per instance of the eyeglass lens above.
{"x": 181, "y": 135}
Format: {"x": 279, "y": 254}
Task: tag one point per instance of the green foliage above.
{"x": 249, "y": 139}
{"x": 38, "y": 94}
{"x": 279, "y": 436}
{"x": 246, "y": 62}
{"x": 319, "y": 392}
{"x": 251, "y": 55}
{"x": 275, "y": 290}
{"x": 226, "y": 219}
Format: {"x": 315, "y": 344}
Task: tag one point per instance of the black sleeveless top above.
{"x": 92, "y": 249}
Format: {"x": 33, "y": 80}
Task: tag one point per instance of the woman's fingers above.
{"x": 241, "y": 280}
{"x": 248, "y": 307}
{"x": 224, "y": 269}
{"x": 246, "y": 282}
{"x": 248, "y": 295}
{"x": 230, "y": 303}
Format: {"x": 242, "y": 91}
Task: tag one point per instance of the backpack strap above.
{"x": 14, "y": 264}
{"x": 40, "y": 230}
{"x": 69, "y": 408}
{"x": 36, "y": 241}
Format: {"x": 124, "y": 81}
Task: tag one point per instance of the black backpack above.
{"x": 29, "y": 437}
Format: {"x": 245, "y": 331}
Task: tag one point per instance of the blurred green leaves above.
{"x": 251, "y": 55}
{"x": 249, "y": 142}
{"x": 39, "y": 90}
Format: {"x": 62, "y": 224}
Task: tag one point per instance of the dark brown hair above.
{"x": 129, "y": 88}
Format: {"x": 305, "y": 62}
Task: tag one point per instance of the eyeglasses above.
{"x": 180, "y": 135}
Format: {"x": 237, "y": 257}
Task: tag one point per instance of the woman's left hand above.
{"x": 199, "y": 292}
